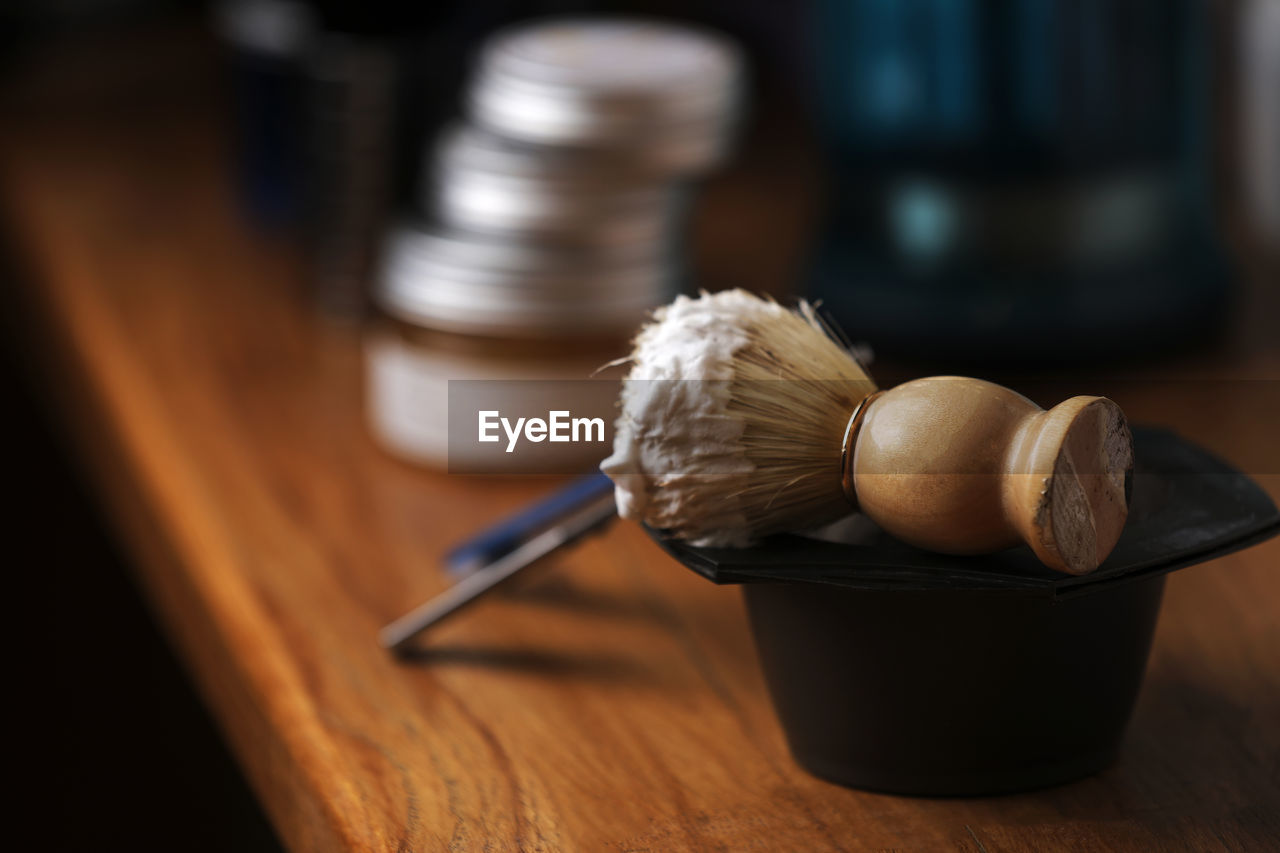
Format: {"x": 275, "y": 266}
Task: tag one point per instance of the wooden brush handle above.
{"x": 965, "y": 466}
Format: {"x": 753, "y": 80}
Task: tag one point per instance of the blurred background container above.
{"x": 1008, "y": 182}
{"x": 1022, "y": 179}
{"x": 1258, "y": 31}
{"x": 554, "y": 217}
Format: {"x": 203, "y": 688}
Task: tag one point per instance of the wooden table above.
{"x": 615, "y": 706}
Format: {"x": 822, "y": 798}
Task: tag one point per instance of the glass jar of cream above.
{"x": 522, "y": 327}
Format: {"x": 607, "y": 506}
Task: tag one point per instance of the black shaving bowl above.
{"x": 897, "y": 670}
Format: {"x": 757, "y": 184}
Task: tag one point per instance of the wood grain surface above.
{"x": 616, "y": 704}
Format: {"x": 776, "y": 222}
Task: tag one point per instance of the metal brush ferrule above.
{"x": 848, "y": 444}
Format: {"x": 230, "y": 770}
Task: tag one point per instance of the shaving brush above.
{"x": 741, "y": 418}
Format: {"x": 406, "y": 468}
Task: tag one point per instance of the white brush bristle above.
{"x": 732, "y": 419}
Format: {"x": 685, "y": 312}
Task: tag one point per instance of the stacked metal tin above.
{"x": 558, "y": 205}
{"x": 555, "y": 213}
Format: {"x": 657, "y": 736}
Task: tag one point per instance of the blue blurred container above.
{"x": 1017, "y": 179}
{"x": 265, "y": 40}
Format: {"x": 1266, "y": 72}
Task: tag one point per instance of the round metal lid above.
{"x": 483, "y": 183}
{"x": 502, "y": 206}
{"x": 474, "y": 149}
{"x": 625, "y": 59}
{"x": 630, "y": 84}
{"x": 472, "y": 285}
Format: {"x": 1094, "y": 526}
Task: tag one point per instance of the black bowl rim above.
{"x": 1188, "y": 507}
